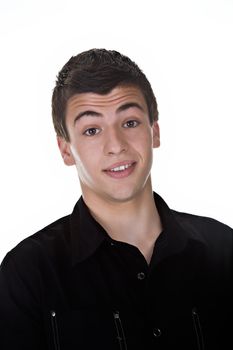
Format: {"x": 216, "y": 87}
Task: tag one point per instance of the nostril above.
{"x": 115, "y": 151}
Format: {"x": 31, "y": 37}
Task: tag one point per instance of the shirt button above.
{"x": 157, "y": 332}
{"x": 141, "y": 275}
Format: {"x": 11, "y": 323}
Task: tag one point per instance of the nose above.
{"x": 115, "y": 143}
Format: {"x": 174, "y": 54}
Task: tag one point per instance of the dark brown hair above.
{"x": 98, "y": 71}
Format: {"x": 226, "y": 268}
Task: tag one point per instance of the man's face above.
{"x": 111, "y": 143}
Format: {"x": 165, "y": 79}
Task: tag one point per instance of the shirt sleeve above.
{"x": 21, "y": 325}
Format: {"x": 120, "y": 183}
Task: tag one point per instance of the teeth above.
{"x": 121, "y": 167}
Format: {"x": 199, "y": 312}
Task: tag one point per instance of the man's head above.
{"x": 98, "y": 71}
{"x": 105, "y": 115}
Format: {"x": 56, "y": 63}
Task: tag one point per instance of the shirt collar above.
{"x": 178, "y": 231}
{"x": 87, "y": 234}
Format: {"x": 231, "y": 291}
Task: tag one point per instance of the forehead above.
{"x": 113, "y": 99}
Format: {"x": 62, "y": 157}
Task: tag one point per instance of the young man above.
{"x": 123, "y": 271}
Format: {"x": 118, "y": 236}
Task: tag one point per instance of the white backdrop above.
{"x": 185, "y": 47}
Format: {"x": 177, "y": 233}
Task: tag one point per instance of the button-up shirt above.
{"x": 71, "y": 286}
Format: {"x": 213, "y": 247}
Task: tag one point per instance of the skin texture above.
{"x": 107, "y": 131}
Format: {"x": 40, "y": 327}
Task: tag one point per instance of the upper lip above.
{"x": 115, "y": 165}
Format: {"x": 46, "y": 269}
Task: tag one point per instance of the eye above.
{"x": 91, "y": 132}
{"x": 131, "y": 124}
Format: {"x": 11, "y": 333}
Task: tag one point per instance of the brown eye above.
{"x": 131, "y": 124}
{"x": 91, "y": 131}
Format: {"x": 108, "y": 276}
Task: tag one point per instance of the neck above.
{"x": 135, "y": 221}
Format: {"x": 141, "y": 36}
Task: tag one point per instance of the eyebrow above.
{"x": 124, "y": 107}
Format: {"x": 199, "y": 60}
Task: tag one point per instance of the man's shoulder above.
{"x": 196, "y": 225}
{"x": 47, "y": 241}
{"x": 209, "y": 230}
{"x": 200, "y": 221}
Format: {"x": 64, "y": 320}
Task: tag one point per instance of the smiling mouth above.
{"x": 121, "y": 167}
{"x": 121, "y": 170}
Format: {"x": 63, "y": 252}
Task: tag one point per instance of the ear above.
{"x": 156, "y": 135}
{"x": 64, "y": 147}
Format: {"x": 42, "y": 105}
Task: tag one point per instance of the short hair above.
{"x": 98, "y": 71}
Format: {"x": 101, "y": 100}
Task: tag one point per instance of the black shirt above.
{"x": 70, "y": 286}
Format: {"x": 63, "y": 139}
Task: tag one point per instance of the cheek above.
{"x": 143, "y": 141}
{"x": 86, "y": 157}
{"x": 145, "y": 148}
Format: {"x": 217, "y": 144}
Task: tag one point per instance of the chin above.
{"x": 122, "y": 196}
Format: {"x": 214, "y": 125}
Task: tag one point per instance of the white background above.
{"x": 185, "y": 47}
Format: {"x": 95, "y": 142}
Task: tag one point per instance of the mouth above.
{"x": 120, "y": 170}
